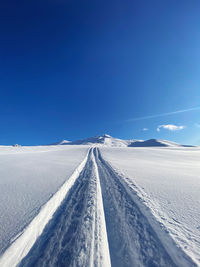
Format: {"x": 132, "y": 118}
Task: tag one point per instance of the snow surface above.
{"x": 100, "y": 206}
{"x": 168, "y": 181}
{"x": 29, "y": 176}
{"x": 94, "y": 219}
{"x": 76, "y": 233}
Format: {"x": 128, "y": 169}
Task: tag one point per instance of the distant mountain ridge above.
{"x": 155, "y": 142}
{"x": 63, "y": 142}
{"x": 103, "y": 140}
{"x": 109, "y": 141}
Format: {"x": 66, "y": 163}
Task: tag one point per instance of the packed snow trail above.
{"x": 132, "y": 240}
{"x": 99, "y": 223}
{"x": 76, "y": 235}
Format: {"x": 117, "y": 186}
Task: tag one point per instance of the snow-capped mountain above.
{"x": 154, "y": 142}
{"x": 105, "y": 140}
{"x": 63, "y": 142}
{"x": 109, "y": 141}
{"x": 102, "y": 140}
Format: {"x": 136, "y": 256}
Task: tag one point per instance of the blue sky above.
{"x": 73, "y": 69}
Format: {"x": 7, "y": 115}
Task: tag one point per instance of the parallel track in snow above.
{"x": 132, "y": 239}
{"x": 99, "y": 224}
{"x": 76, "y": 235}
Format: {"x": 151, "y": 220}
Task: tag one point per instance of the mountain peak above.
{"x": 103, "y": 136}
{"x": 109, "y": 141}
{"x": 106, "y": 136}
{"x": 101, "y": 140}
{"x": 63, "y": 142}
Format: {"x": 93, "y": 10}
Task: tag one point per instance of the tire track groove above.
{"x": 132, "y": 239}
{"x": 76, "y": 235}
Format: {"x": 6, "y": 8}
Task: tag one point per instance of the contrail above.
{"x": 163, "y": 114}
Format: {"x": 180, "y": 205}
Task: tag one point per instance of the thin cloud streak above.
{"x": 163, "y": 114}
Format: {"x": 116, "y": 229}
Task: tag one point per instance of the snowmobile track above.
{"x": 76, "y": 235}
{"x": 99, "y": 224}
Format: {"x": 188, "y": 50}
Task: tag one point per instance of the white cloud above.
{"x": 170, "y": 127}
{"x": 145, "y": 129}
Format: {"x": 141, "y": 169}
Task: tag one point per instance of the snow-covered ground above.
{"x": 29, "y": 176}
{"x": 100, "y": 206}
{"x": 168, "y": 181}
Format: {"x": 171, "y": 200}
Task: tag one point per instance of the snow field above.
{"x": 121, "y": 207}
{"x": 29, "y": 176}
{"x": 76, "y": 234}
{"x": 167, "y": 180}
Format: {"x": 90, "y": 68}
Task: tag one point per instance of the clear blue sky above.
{"x": 73, "y": 69}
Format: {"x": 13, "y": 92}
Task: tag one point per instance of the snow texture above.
{"x": 29, "y": 176}
{"x": 167, "y": 180}
{"x": 75, "y": 235}
{"x": 98, "y": 218}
